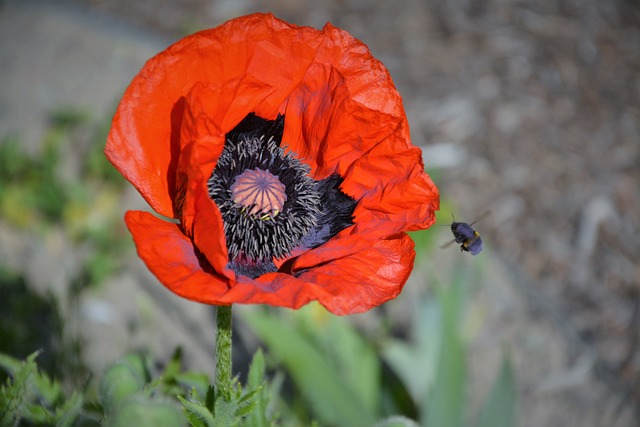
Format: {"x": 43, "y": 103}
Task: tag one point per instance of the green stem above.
{"x": 223, "y": 352}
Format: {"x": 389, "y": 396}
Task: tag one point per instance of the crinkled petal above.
{"x": 173, "y": 259}
{"x": 347, "y": 117}
{"x": 210, "y": 112}
{"x": 144, "y": 141}
{"x": 343, "y": 115}
{"x": 355, "y": 282}
{"x": 367, "y": 278}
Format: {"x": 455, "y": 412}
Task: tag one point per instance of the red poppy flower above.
{"x": 283, "y": 155}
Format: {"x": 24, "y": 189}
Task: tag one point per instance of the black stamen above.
{"x": 265, "y": 224}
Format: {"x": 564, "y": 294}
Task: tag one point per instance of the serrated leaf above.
{"x": 10, "y": 364}
{"x": 256, "y": 370}
{"x": 248, "y": 402}
{"x": 499, "y": 410}
{"x": 37, "y": 414}
{"x": 15, "y": 394}
{"x": 196, "y": 410}
{"x": 225, "y": 412}
{"x": 50, "y": 391}
{"x": 194, "y": 421}
{"x": 70, "y": 411}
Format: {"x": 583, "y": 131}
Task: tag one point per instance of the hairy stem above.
{"x": 223, "y": 352}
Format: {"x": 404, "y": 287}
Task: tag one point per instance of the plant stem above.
{"x": 223, "y": 351}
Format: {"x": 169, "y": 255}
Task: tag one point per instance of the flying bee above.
{"x": 469, "y": 239}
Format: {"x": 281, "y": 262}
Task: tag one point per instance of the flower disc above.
{"x": 260, "y": 192}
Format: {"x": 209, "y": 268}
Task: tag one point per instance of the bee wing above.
{"x": 485, "y": 213}
{"x": 446, "y": 245}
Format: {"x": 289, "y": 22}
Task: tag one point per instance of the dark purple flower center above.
{"x": 269, "y": 203}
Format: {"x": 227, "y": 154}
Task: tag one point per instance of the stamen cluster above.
{"x": 254, "y": 233}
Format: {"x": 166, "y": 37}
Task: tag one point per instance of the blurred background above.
{"x": 528, "y": 109}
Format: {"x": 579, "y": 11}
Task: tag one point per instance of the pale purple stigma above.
{"x": 260, "y": 192}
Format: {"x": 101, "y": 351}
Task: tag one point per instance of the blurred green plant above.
{"x": 30, "y": 321}
{"x": 129, "y": 396}
{"x": 335, "y": 369}
{"x": 337, "y": 378}
{"x": 340, "y": 378}
{"x": 68, "y": 183}
{"x": 34, "y": 397}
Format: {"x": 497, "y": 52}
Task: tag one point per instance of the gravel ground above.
{"x": 532, "y": 110}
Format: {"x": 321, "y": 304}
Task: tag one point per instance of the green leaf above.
{"x": 499, "y": 410}
{"x": 357, "y": 362}
{"x": 119, "y": 381}
{"x": 70, "y": 410}
{"x": 174, "y": 366}
{"x": 196, "y": 412}
{"x": 335, "y": 400}
{"x": 256, "y": 370}
{"x": 416, "y": 363}
{"x": 256, "y": 381}
{"x": 210, "y": 398}
{"x": 444, "y": 406}
{"x": 225, "y": 412}
{"x": 50, "y": 391}
{"x": 142, "y": 411}
{"x": 12, "y": 365}
{"x": 197, "y": 380}
{"x": 16, "y": 393}
{"x": 248, "y": 402}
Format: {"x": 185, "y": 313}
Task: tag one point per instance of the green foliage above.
{"x": 120, "y": 381}
{"x": 144, "y": 411}
{"x": 259, "y": 417}
{"x": 397, "y": 421}
{"x": 433, "y": 366}
{"x": 33, "y": 397}
{"x": 444, "y": 406}
{"x": 500, "y": 408}
{"x": 127, "y": 392}
{"x": 31, "y": 321}
{"x": 333, "y": 366}
{"x": 68, "y": 183}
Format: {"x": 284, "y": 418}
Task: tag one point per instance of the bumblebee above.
{"x": 469, "y": 239}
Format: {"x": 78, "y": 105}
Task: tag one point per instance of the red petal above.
{"x": 358, "y": 280}
{"x": 172, "y": 258}
{"x": 354, "y": 283}
{"x": 365, "y": 279}
{"x": 208, "y": 233}
{"x": 144, "y": 140}
{"x": 347, "y": 117}
{"x": 343, "y": 115}
{"x": 210, "y": 112}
